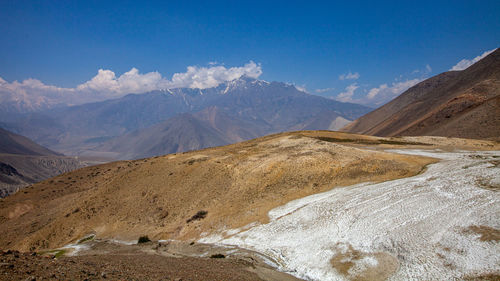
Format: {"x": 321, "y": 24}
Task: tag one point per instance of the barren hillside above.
{"x": 180, "y": 196}
{"x": 453, "y": 104}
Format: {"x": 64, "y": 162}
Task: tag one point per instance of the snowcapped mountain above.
{"x": 269, "y": 106}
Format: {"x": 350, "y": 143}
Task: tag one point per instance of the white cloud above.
{"x": 375, "y": 91}
{"x": 208, "y": 77}
{"x": 385, "y": 93}
{"x": 32, "y": 93}
{"x": 465, "y": 63}
{"x": 426, "y": 70}
{"x": 106, "y": 85}
{"x": 324, "y": 90}
{"x": 301, "y": 88}
{"x": 347, "y": 95}
{"x": 129, "y": 82}
{"x": 349, "y": 76}
{"x": 376, "y": 96}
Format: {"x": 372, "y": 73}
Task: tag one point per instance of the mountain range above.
{"x": 233, "y": 111}
{"x": 453, "y": 104}
{"x": 308, "y": 186}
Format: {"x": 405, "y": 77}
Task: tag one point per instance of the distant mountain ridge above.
{"x": 452, "y": 104}
{"x": 264, "y": 107}
{"x": 11, "y": 143}
{"x": 207, "y": 128}
{"x": 24, "y": 162}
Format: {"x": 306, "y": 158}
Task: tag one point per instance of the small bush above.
{"x": 59, "y": 254}
{"x": 143, "y": 239}
{"x": 217, "y": 256}
{"x": 85, "y": 239}
{"x": 198, "y": 216}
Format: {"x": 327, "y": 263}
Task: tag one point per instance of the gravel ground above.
{"x": 131, "y": 266}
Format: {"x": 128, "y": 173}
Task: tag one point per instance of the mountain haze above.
{"x": 252, "y": 108}
{"x": 207, "y": 128}
{"x": 24, "y": 162}
{"x": 11, "y": 143}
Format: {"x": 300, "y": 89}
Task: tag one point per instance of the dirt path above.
{"x": 104, "y": 260}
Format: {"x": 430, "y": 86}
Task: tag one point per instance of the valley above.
{"x": 250, "y": 140}
{"x": 24, "y": 162}
{"x": 181, "y": 119}
{"x": 317, "y": 205}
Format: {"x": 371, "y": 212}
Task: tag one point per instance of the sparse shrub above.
{"x": 217, "y": 256}
{"x": 198, "y": 216}
{"x": 85, "y": 239}
{"x": 143, "y": 239}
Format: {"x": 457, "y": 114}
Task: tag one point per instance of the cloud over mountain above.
{"x": 385, "y": 93}
{"x": 208, "y": 77}
{"x": 376, "y": 96}
{"x": 106, "y": 84}
{"x": 463, "y": 64}
{"x": 129, "y": 82}
{"x": 324, "y": 90}
{"x": 346, "y": 96}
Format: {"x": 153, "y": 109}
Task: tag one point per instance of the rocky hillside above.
{"x": 18, "y": 171}
{"x": 11, "y": 143}
{"x": 453, "y": 104}
{"x": 24, "y": 162}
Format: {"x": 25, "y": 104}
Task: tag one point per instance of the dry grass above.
{"x": 236, "y": 184}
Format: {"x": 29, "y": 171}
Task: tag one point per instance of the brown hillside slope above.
{"x": 235, "y": 184}
{"x": 452, "y": 104}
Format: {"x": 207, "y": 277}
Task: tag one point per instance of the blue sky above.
{"x": 307, "y": 43}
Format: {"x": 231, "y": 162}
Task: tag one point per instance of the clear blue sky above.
{"x": 308, "y": 43}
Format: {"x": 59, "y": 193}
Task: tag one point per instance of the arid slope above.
{"x": 236, "y": 185}
{"x": 462, "y": 104}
